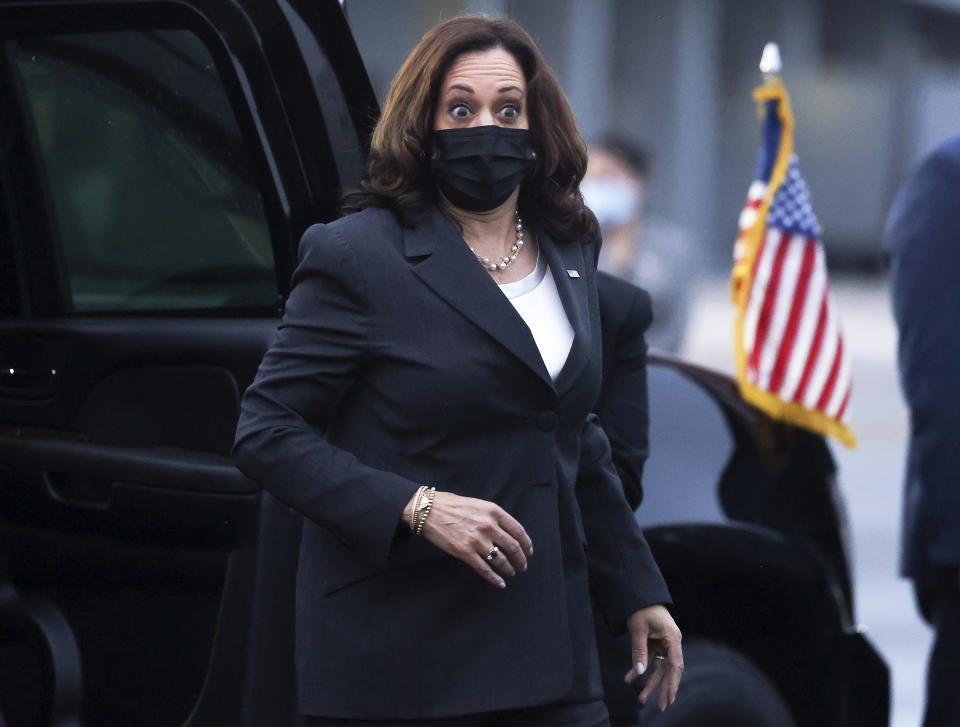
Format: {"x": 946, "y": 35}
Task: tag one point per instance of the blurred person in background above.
{"x": 923, "y": 239}
{"x": 646, "y": 250}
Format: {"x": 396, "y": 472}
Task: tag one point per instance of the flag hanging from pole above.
{"x": 790, "y": 354}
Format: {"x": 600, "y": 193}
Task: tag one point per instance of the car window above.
{"x": 155, "y": 204}
{"x": 690, "y": 445}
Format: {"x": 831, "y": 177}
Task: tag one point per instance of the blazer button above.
{"x": 548, "y": 420}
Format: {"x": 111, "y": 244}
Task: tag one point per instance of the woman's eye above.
{"x": 460, "y": 111}
{"x": 510, "y": 112}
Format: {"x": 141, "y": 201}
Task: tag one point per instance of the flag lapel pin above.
{"x": 573, "y": 273}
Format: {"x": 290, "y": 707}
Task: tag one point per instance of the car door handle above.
{"x": 79, "y": 491}
{"x": 166, "y": 468}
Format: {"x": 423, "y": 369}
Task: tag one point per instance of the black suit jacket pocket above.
{"x": 334, "y": 566}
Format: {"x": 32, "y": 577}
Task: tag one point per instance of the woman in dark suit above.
{"x": 425, "y": 404}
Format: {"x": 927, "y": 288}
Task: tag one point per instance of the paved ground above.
{"x": 870, "y": 475}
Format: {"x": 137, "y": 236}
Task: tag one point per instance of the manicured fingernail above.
{"x": 502, "y": 584}
{"x": 673, "y": 699}
{"x": 640, "y": 668}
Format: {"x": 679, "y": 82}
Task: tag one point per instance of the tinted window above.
{"x": 690, "y": 444}
{"x": 154, "y": 201}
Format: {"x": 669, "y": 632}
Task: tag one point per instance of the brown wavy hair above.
{"x": 398, "y": 166}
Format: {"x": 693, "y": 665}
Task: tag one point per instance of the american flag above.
{"x": 791, "y": 359}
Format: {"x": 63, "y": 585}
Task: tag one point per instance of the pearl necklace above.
{"x": 493, "y": 265}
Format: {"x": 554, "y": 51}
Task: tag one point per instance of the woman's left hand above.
{"x": 655, "y": 634}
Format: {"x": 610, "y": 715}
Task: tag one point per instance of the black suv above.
{"x": 159, "y": 160}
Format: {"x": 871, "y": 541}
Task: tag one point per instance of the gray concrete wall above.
{"x": 874, "y": 86}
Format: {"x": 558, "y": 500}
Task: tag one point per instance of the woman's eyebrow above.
{"x": 505, "y": 89}
{"x": 460, "y": 87}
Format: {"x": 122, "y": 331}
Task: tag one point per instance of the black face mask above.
{"x": 476, "y": 169}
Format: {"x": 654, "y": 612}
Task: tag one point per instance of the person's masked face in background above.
{"x": 644, "y": 248}
{"x": 616, "y": 194}
{"x": 611, "y": 190}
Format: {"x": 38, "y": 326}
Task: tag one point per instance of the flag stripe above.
{"x": 824, "y": 364}
{"x": 789, "y": 278}
{"x": 798, "y": 304}
{"x": 799, "y": 354}
{"x": 814, "y": 350}
{"x": 768, "y": 298}
{"x": 761, "y": 274}
{"x": 832, "y": 378}
{"x": 843, "y": 383}
{"x": 841, "y": 414}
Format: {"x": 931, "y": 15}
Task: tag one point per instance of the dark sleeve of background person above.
{"x": 623, "y": 411}
{"x": 625, "y": 315}
{"x": 923, "y": 239}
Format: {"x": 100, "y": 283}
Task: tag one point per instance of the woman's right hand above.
{"x": 469, "y": 529}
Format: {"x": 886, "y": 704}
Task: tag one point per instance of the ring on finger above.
{"x": 493, "y": 553}
{"x": 659, "y": 657}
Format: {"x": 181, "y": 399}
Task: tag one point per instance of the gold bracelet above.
{"x": 426, "y": 511}
{"x": 416, "y": 504}
{"x": 414, "y": 519}
{"x": 418, "y": 508}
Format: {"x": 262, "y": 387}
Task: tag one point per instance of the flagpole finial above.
{"x": 770, "y": 63}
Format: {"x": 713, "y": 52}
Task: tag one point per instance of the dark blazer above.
{"x": 623, "y": 411}
{"x": 623, "y": 408}
{"x": 923, "y": 239}
{"x": 400, "y": 348}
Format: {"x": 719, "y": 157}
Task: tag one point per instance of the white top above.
{"x": 537, "y": 301}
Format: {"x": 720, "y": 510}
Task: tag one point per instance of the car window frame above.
{"x": 265, "y": 134}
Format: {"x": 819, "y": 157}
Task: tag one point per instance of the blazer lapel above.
{"x": 442, "y": 260}
{"x": 570, "y": 274}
